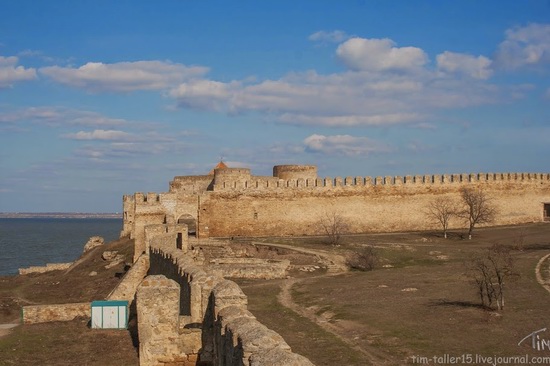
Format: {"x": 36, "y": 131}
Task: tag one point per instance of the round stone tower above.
{"x": 287, "y": 172}
{"x": 231, "y": 175}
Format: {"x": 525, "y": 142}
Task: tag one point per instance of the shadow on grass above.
{"x": 537, "y": 246}
{"x": 461, "y": 304}
{"x": 451, "y": 235}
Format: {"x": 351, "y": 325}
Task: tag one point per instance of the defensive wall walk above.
{"x": 188, "y": 314}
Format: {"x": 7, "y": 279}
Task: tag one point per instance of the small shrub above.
{"x": 333, "y": 226}
{"x": 489, "y": 272}
{"x": 365, "y": 259}
{"x": 519, "y": 240}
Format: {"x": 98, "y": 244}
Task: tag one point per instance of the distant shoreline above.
{"x": 59, "y": 215}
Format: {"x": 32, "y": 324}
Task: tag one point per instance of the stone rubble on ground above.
{"x": 113, "y": 258}
{"x": 93, "y": 242}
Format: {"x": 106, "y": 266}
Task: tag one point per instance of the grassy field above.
{"x": 66, "y": 343}
{"x": 417, "y": 303}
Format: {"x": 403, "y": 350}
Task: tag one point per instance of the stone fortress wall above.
{"x": 232, "y": 202}
{"x": 188, "y": 315}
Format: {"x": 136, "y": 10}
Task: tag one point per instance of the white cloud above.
{"x": 335, "y": 36}
{"x": 107, "y": 152}
{"x": 10, "y": 73}
{"x": 104, "y": 135}
{"x": 351, "y": 120}
{"x": 361, "y": 54}
{"x": 475, "y": 67}
{"x": 57, "y": 116}
{"x": 90, "y": 153}
{"x": 343, "y": 145}
{"x": 285, "y": 148}
{"x": 202, "y": 94}
{"x": 144, "y": 147}
{"x": 342, "y": 99}
{"x": 124, "y": 76}
{"x": 525, "y": 46}
{"x": 386, "y": 85}
{"x": 238, "y": 164}
{"x": 118, "y": 144}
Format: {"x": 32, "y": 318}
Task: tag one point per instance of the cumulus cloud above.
{"x": 525, "y": 46}
{"x": 343, "y": 145}
{"x": 203, "y": 94}
{"x": 10, "y": 73}
{"x": 124, "y": 76}
{"x": 335, "y": 36}
{"x": 361, "y": 54}
{"x": 343, "y": 99}
{"x": 383, "y": 85}
{"x": 104, "y": 135}
{"x": 459, "y": 63}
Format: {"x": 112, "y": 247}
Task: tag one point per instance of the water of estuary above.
{"x": 28, "y": 242}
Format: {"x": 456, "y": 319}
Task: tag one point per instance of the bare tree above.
{"x": 441, "y": 210}
{"x": 365, "y": 259}
{"x": 489, "y": 272}
{"x": 478, "y": 208}
{"x": 333, "y": 225}
{"x": 519, "y": 240}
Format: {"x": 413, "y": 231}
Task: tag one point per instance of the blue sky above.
{"x": 104, "y": 98}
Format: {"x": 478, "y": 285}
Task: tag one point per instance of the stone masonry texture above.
{"x": 232, "y": 202}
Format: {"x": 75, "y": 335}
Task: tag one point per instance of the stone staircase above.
{"x": 333, "y": 268}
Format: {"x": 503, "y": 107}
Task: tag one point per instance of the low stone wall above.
{"x": 33, "y": 314}
{"x": 239, "y": 338}
{"x": 221, "y": 258}
{"x": 230, "y": 334}
{"x": 162, "y": 339}
{"x": 127, "y": 287}
{"x": 47, "y": 268}
{"x": 253, "y": 268}
{"x": 125, "y": 290}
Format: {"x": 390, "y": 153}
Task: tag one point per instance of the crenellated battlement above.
{"x": 148, "y": 198}
{"x": 269, "y": 183}
{"x": 233, "y": 202}
{"x": 297, "y": 177}
{"x": 128, "y": 198}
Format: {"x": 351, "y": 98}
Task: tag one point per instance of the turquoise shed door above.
{"x": 109, "y": 314}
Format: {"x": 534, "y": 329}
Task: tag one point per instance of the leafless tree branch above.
{"x": 442, "y": 210}
{"x": 478, "y": 208}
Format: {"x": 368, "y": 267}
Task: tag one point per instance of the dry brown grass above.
{"x": 368, "y": 312}
{"x": 423, "y": 305}
{"x": 66, "y": 343}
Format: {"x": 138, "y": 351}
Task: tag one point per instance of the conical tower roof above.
{"x": 220, "y": 165}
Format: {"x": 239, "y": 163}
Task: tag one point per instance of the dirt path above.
{"x": 6, "y": 328}
{"x": 334, "y": 262}
{"x": 285, "y": 298}
{"x": 539, "y": 270}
